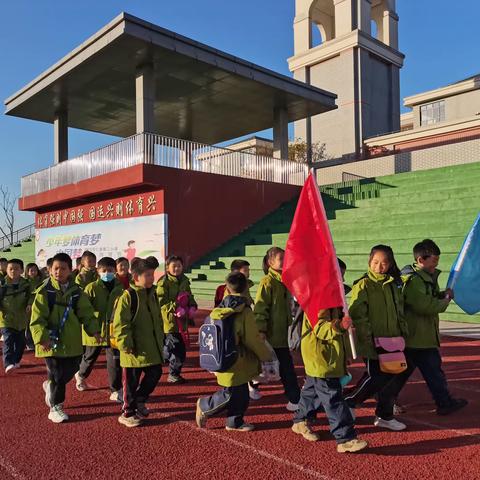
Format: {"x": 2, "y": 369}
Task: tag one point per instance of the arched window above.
{"x": 322, "y": 22}
{"x": 316, "y": 35}
{"x": 373, "y": 29}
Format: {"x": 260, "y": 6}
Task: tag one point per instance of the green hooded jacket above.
{"x": 14, "y": 300}
{"x": 423, "y": 302}
{"x": 102, "y": 300}
{"x": 142, "y": 334}
{"x": 272, "y": 309}
{"x": 85, "y": 277}
{"x": 168, "y": 289}
{"x": 324, "y": 349}
{"x": 377, "y": 311}
{"x": 43, "y": 320}
{"x": 251, "y": 348}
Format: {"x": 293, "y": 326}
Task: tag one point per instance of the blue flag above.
{"x": 464, "y": 278}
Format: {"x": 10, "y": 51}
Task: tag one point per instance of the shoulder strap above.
{"x": 52, "y": 296}
{"x": 133, "y": 302}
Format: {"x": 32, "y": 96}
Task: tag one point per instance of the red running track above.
{"x": 169, "y": 446}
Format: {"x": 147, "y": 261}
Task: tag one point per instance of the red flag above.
{"x": 310, "y": 268}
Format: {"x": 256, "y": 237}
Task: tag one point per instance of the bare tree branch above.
{"x": 7, "y": 206}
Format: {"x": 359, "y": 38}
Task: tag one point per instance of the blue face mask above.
{"x": 107, "y": 276}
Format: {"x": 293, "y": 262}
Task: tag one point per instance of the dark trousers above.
{"x": 13, "y": 346}
{"x": 60, "y": 371}
{"x": 114, "y": 370}
{"x": 29, "y": 339}
{"x": 429, "y": 362}
{"x": 374, "y": 382}
{"x": 327, "y": 393}
{"x": 233, "y": 400}
{"x": 137, "y": 389}
{"x": 288, "y": 375}
{"x": 175, "y": 352}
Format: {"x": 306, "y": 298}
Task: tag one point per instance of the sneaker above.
{"x": 292, "y": 407}
{"x": 178, "y": 379}
{"x": 46, "y": 389}
{"x": 200, "y": 417}
{"x": 80, "y": 383}
{"x": 245, "y": 427}
{"x": 142, "y": 411}
{"x": 57, "y": 415}
{"x": 132, "y": 421}
{"x": 392, "y": 424}
{"x": 399, "y": 409}
{"x": 303, "y": 429}
{"x": 254, "y": 393}
{"x": 10, "y": 368}
{"x": 455, "y": 404}
{"x": 354, "y": 445}
{"x": 117, "y": 396}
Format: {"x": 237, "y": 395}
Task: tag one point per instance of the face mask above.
{"x": 107, "y": 276}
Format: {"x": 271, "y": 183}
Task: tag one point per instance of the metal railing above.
{"x": 18, "y": 236}
{"x": 148, "y": 148}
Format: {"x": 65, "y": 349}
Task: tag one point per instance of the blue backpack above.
{"x": 216, "y": 339}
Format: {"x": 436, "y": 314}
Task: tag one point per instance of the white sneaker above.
{"x": 117, "y": 396}
{"x": 46, "y": 389}
{"x": 9, "y": 368}
{"x": 80, "y": 383}
{"x": 57, "y": 415}
{"x": 292, "y": 407}
{"x": 254, "y": 393}
{"x": 392, "y": 424}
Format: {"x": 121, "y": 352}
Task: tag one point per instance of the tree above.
{"x": 298, "y": 152}
{"x": 7, "y": 205}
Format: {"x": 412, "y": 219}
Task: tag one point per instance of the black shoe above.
{"x": 175, "y": 379}
{"x": 453, "y": 406}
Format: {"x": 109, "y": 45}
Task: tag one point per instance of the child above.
{"x": 140, "y": 337}
{"x": 423, "y": 302}
{"x": 130, "y": 252}
{"x": 59, "y": 310}
{"x": 123, "y": 272}
{"x": 15, "y": 302}
{"x": 169, "y": 288}
{"x": 325, "y": 360}
{"x": 241, "y": 266}
{"x": 78, "y": 266}
{"x": 102, "y": 294}
{"x": 273, "y": 316}
{"x": 376, "y": 311}
{"x": 3, "y": 267}
{"x": 34, "y": 278}
{"x": 233, "y": 397}
{"x": 88, "y": 272}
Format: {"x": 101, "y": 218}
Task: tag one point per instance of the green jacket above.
{"x": 43, "y": 320}
{"x": 102, "y": 301}
{"x": 324, "y": 349}
{"x": 85, "y": 277}
{"x": 142, "y": 334}
{"x": 168, "y": 289}
{"x": 14, "y": 300}
{"x": 423, "y": 302}
{"x": 377, "y": 311}
{"x": 272, "y": 309}
{"x": 251, "y": 349}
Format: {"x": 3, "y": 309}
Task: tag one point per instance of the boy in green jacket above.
{"x": 138, "y": 330}
{"x": 59, "y": 310}
{"x": 15, "y": 306}
{"x": 175, "y": 325}
{"x": 102, "y": 294}
{"x": 234, "y": 397}
{"x": 423, "y": 303}
{"x": 325, "y": 359}
{"x": 88, "y": 272}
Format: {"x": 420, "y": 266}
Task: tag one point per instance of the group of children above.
{"x": 72, "y": 315}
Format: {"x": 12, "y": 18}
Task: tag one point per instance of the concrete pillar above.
{"x": 145, "y": 99}
{"x": 280, "y": 133}
{"x": 344, "y": 21}
{"x": 60, "y": 137}
{"x": 364, "y": 15}
{"x": 390, "y": 29}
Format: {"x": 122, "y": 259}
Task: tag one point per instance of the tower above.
{"x": 349, "y": 47}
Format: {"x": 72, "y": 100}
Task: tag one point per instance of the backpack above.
{"x": 52, "y": 297}
{"x": 216, "y": 340}
{"x": 295, "y": 329}
{"x": 133, "y": 310}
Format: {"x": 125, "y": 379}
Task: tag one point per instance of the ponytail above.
{"x": 271, "y": 253}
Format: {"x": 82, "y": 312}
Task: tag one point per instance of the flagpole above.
{"x": 346, "y": 313}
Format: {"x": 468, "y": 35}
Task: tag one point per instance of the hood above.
{"x": 230, "y": 305}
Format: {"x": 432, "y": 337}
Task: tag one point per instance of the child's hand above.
{"x": 28, "y": 309}
{"x": 46, "y": 345}
{"x": 449, "y": 294}
{"x": 180, "y": 312}
{"x": 262, "y": 336}
{"x": 98, "y": 337}
{"x": 346, "y": 323}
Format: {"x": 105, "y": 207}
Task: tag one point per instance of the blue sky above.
{"x": 440, "y": 43}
